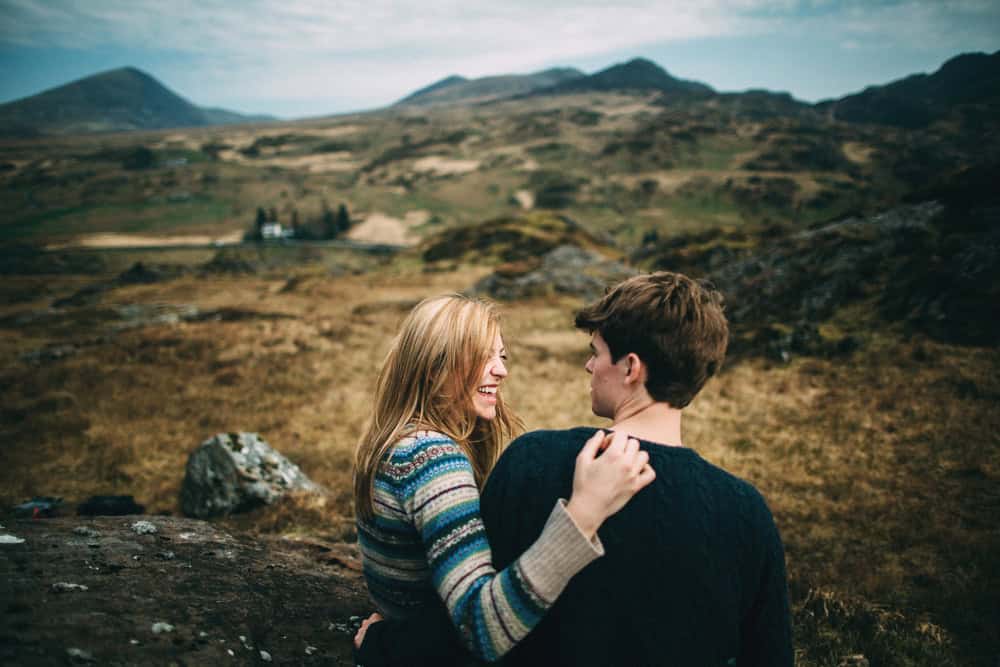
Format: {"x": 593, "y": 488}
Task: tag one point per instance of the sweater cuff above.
{"x": 559, "y": 553}
{"x": 594, "y": 542}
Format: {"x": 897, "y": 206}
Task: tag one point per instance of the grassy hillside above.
{"x": 880, "y": 467}
{"x": 626, "y": 165}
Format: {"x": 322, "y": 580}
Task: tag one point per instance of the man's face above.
{"x": 606, "y": 378}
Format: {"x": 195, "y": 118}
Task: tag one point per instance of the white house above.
{"x": 271, "y": 230}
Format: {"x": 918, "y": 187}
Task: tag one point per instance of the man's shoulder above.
{"x": 554, "y": 441}
{"x": 545, "y": 449}
{"x": 737, "y": 485}
{"x": 740, "y": 492}
{"x": 538, "y": 458}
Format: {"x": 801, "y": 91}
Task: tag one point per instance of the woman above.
{"x": 438, "y": 427}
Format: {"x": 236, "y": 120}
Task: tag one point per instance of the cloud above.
{"x": 358, "y": 26}
{"x": 520, "y": 30}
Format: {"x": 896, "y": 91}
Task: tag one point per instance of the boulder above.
{"x": 236, "y": 472}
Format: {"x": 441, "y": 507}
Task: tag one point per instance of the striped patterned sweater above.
{"x": 426, "y": 544}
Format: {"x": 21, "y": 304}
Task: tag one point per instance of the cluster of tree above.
{"x": 329, "y": 224}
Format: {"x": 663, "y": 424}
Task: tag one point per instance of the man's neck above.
{"x": 655, "y": 421}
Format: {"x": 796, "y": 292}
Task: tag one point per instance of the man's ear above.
{"x": 634, "y": 368}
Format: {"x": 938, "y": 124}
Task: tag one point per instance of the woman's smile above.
{"x": 484, "y": 399}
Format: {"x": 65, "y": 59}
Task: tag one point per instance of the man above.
{"x": 694, "y": 571}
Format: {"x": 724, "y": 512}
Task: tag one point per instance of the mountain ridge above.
{"x": 457, "y": 89}
{"x": 918, "y": 100}
{"x": 127, "y": 98}
{"x": 635, "y": 74}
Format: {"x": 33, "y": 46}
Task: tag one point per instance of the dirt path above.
{"x": 444, "y": 166}
{"x": 114, "y": 240}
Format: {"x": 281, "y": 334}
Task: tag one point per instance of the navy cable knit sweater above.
{"x": 694, "y": 571}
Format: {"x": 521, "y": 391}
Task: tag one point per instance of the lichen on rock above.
{"x": 236, "y": 472}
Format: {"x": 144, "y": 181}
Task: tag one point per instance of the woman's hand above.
{"x": 603, "y": 484}
{"x": 359, "y": 636}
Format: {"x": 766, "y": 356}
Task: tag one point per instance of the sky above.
{"x": 304, "y": 58}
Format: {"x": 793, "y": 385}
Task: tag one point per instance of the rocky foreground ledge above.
{"x": 163, "y": 590}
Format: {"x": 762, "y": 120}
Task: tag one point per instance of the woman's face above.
{"x": 484, "y": 398}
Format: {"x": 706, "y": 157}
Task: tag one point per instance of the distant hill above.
{"x": 216, "y": 116}
{"x": 636, "y": 74}
{"x": 920, "y": 99}
{"x": 459, "y": 90}
{"x": 116, "y": 100}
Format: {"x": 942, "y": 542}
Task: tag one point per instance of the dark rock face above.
{"x": 808, "y": 275}
{"x": 235, "y": 472}
{"x": 932, "y": 267}
{"x": 114, "y": 591}
{"x": 952, "y": 290}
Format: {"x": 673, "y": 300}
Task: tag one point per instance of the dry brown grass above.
{"x": 881, "y": 471}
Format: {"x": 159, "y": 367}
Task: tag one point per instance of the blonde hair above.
{"x": 427, "y": 382}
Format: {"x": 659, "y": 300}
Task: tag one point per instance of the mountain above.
{"x": 428, "y": 92}
{"x": 112, "y": 101}
{"x": 636, "y": 74}
{"x": 920, "y": 99}
{"x": 459, "y": 90}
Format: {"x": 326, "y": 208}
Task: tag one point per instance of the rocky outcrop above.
{"x": 163, "y": 590}
{"x": 510, "y": 239}
{"x": 807, "y": 275}
{"x": 567, "y": 270}
{"x": 931, "y": 266}
{"x": 235, "y": 472}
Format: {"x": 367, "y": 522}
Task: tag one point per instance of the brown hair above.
{"x": 427, "y": 382}
{"x": 673, "y": 323}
